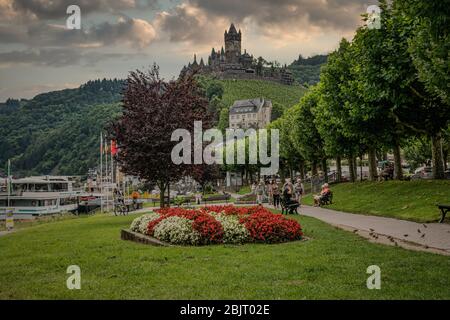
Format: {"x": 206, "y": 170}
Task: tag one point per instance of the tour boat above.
{"x": 37, "y": 196}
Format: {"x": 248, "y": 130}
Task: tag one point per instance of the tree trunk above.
{"x": 314, "y": 168}
{"x": 373, "y": 174}
{"x": 398, "y": 171}
{"x": 361, "y": 168}
{"x": 436, "y": 152}
{"x": 355, "y": 167}
{"x": 445, "y": 157}
{"x": 325, "y": 169}
{"x": 162, "y": 190}
{"x": 168, "y": 194}
{"x": 338, "y": 169}
{"x": 351, "y": 169}
{"x": 302, "y": 170}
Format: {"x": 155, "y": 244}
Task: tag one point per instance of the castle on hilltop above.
{"x": 231, "y": 63}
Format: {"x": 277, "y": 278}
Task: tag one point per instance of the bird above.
{"x": 371, "y": 229}
{"x": 418, "y": 230}
{"x": 424, "y": 225}
{"x": 405, "y": 235}
{"x": 423, "y": 235}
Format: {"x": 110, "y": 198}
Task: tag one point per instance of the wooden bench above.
{"x": 444, "y": 209}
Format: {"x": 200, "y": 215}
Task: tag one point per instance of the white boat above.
{"x": 37, "y": 196}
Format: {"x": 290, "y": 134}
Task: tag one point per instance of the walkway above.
{"x": 434, "y": 237}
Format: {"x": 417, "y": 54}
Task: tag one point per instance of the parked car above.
{"x": 423, "y": 173}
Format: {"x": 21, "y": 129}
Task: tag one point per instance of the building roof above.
{"x": 248, "y": 105}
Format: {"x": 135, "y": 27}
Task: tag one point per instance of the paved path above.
{"x": 430, "y": 236}
{"x": 433, "y": 237}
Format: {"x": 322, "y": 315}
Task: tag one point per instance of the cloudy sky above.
{"x": 39, "y": 54}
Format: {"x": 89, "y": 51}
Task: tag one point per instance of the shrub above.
{"x": 177, "y": 230}
{"x": 233, "y": 231}
{"x": 218, "y": 224}
{"x": 271, "y": 228}
{"x": 140, "y": 223}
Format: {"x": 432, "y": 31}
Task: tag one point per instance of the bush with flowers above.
{"x": 217, "y": 224}
{"x": 140, "y": 223}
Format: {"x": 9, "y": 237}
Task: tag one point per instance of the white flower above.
{"x": 233, "y": 230}
{"x": 177, "y": 230}
{"x": 140, "y": 223}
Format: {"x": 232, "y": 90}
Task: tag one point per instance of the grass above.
{"x": 20, "y": 224}
{"x": 409, "y": 200}
{"x": 244, "y": 190}
{"x": 332, "y": 264}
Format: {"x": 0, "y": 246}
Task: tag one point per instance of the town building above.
{"x": 250, "y": 113}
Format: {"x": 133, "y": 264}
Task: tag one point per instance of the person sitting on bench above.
{"x": 323, "y": 194}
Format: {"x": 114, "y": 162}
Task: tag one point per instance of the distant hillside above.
{"x": 57, "y": 132}
{"x": 246, "y": 89}
{"x": 307, "y": 70}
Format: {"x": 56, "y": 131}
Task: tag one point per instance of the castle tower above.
{"x": 232, "y": 45}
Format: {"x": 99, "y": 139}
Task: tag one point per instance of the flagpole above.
{"x": 8, "y": 185}
{"x": 101, "y": 172}
{"x": 112, "y": 171}
{"x": 106, "y": 174}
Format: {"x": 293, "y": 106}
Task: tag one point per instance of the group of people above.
{"x": 275, "y": 191}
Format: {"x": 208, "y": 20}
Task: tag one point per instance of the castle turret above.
{"x": 232, "y": 45}
{"x": 194, "y": 64}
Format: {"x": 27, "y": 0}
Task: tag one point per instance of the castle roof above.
{"x": 232, "y": 29}
{"x": 249, "y": 105}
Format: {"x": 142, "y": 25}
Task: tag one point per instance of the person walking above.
{"x": 260, "y": 191}
{"x": 299, "y": 190}
{"x": 275, "y": 194}
{"x": 269, "y": 192}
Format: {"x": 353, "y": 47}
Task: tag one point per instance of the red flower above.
{"x": 262, "y": 225}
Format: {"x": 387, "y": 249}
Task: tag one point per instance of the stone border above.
{"x": 127, "y": 234}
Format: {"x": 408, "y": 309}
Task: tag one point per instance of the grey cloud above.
{"x": 182, "y": 25}
{"x": 340, "y": 14}
{"x": 56, "y": 57}
{"x": 44, "y": 9}
{"x": 138, "y": 33}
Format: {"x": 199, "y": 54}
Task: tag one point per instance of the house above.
{"x": 251, "y": 113}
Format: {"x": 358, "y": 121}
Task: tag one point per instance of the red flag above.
{"x": 113, "y": 147}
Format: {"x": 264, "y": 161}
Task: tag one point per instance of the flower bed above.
{"x": 217, "y": 224}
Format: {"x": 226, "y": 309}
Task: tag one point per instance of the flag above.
{"x": 113, "y": 148}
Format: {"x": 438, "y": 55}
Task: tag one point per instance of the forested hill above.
{"x": 306, "y": 71}
{"x": 58, "y": 132}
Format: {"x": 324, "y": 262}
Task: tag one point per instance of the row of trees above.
{"x": 376, "y": 93}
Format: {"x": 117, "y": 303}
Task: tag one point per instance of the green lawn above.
{"x": 332, "y": 264}
{"x": 244, "y": 190}
{"x": 408, "y": 200}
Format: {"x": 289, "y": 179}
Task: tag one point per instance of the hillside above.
{"x": 306, "y": 71}
{"x": 246, "y": 89}
{"x": 58, "y": 132}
